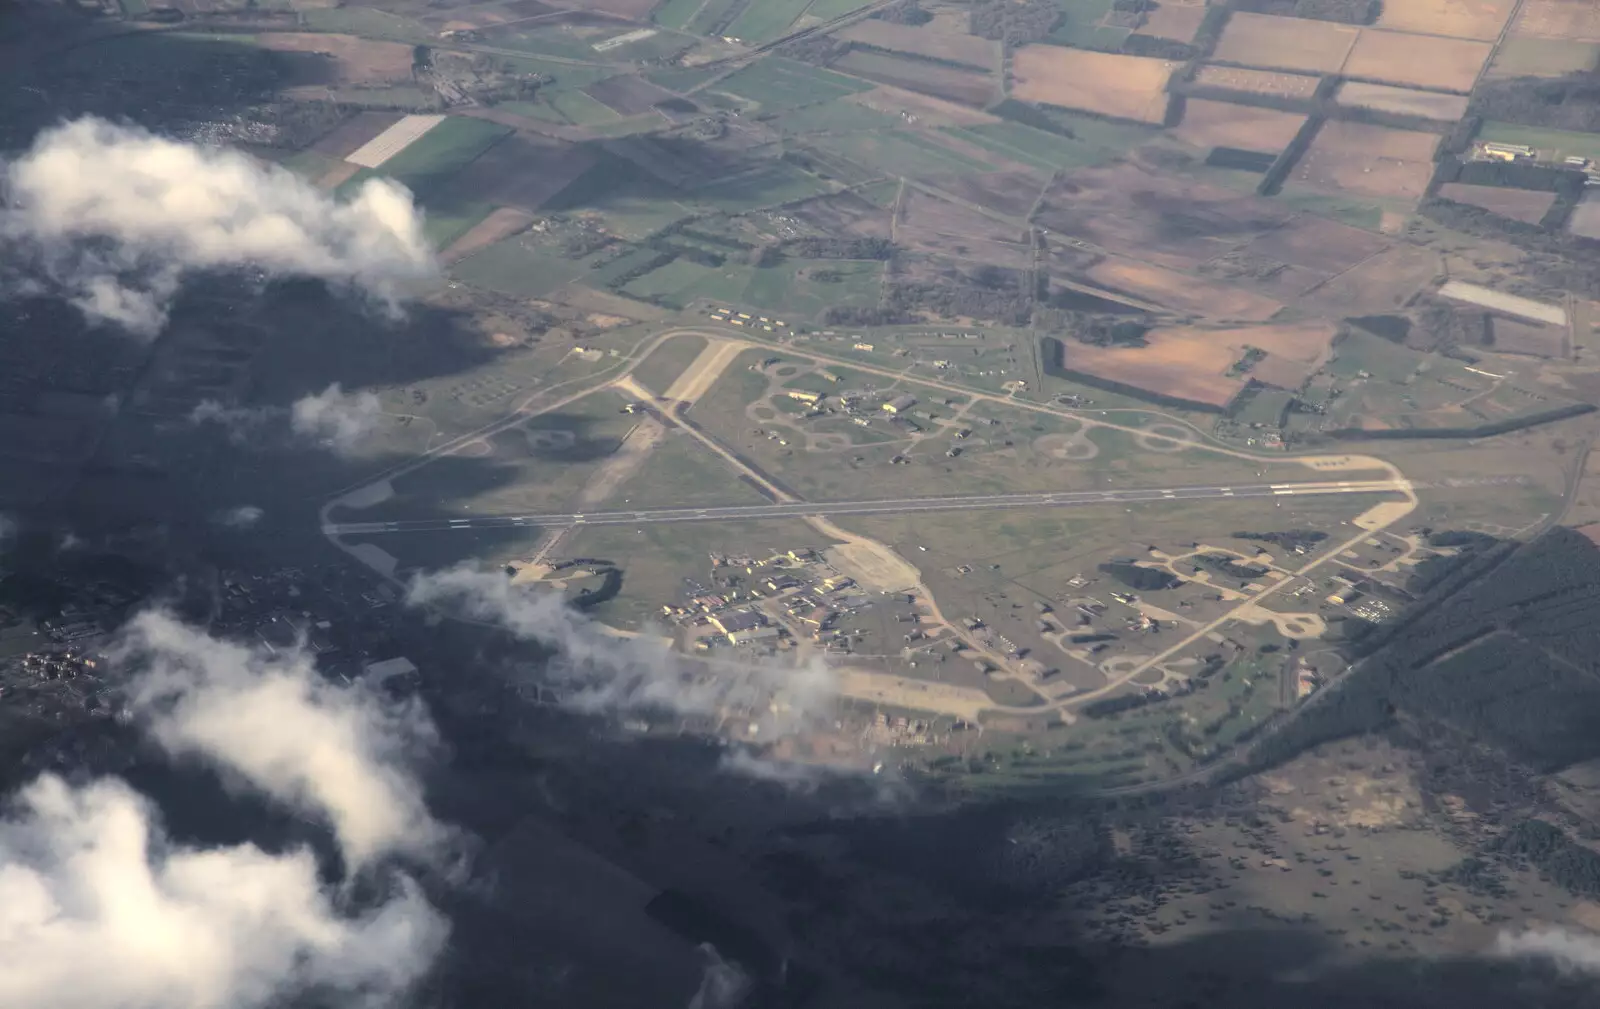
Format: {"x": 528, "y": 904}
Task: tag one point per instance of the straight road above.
{"x": 895, "y": 506}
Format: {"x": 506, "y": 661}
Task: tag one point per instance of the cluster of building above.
{"x": 734, "y": 318}
{"x": 773, "y": 603}
{"x": 1524, "y": 154}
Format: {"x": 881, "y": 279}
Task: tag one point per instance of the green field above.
{"x": 309, "y": 164}
{"x": 1519, "y": 57}
{"x": 667, "y": 362}
{"x": 580, "y": 109}
{"x": 832, "y": 117}
{"x": 675, "y": 14}
{"x": 442, "y": 151}
{"x": 777, "y": 83}
{"x": 514, "y": 268}
{"x": 902, "y": 152}
{"x": 765, "y": 20}
{"x": 713, "y": 12}
{"x": 565, "y": 75}
{"x": 790, "y": 288}
{"x": 368, "y": 22}
{"x": 1346, "y": 211}
{"x": 1096, "y": 143}
{"x": 681, "y": 78}
{"x": 827, "y": 10}
{"x": 444, "y": 225}
{"x": 1553, "y": 144}
{"x": 1080, "y": 25}
{"x": 680, "y": 282}
{"x": 774, "y": 183}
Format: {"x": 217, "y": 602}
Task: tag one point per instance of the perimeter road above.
{"x": 896, "y": 506}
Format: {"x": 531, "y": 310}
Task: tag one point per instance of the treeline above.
{"x": 1349, "y": 12}
{"x": 1498, "y": 648}
{"x": 1512, "y": 175}
{"x": 1558, "y": 857}
{"x": 1014, "y": 22}
{"x": 839, "y": 248}
{"x": 1563, "y": 103}
{"x": 1143, "y": 579}
{"x": 1549, "y": 416}
{"x": 1288, "y": 539}
{"x": 903, "y": 12}
{"x": 1229, "y": 567}
{"x": 1011, "y": 307}
{"x": 1272, "y": 180}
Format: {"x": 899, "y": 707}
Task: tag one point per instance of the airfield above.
{"x": 1131, "y": 358}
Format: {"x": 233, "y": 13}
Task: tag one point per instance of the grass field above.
{"x": 512, "y": 267}
{"x": 1345, "y": 211}
{"x": 1525, "y": 57}
{"x": 1080, "y": 25}
{"x": 675, "y": 14}
{"x": 442, "y": 151}
{"x": 680, "y": 78}
{"x": 765, "y": 20}
{"x": 710, "y": 14}
{"x": 827, "y": 10}
{"x": 681, "y": 282}
{"x": 1553, "y": 143}
{"x": 667, "y": 362}
{"x": 902, "y": 152}
{"x": 580, "y": 109}
{"x": 1096, "y": 141}
{"x": 833, "y": 117}
{"x": 777, "y": 83}
{"x": 368, "y": 22}
{"x": 772, "y": 184}
{"x": 444, "y": 225}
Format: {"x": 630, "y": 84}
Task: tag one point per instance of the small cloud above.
{"x": 242, "y": 517}
{"x": 1576, "y": 951}
{"x": 113, "y": 217}
{"x": 339, "y": 421}
{"x": 723, "y": 985}
{"x": 344, "y": 753}
{"x": 99, "y": 909}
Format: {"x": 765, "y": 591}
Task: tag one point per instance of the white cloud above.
{"x": 1578, "y": 951}
{"x": 611, "y": 672}
{"x": 723, "y": 985}
{"x": 342, "y": 753}
{"x": 100, "y": 910}
{"x": 242, "y": 517}
{"x": 239, "y": 422}
{"x": 337, "y": 420}
{"x": 116, "y": 216}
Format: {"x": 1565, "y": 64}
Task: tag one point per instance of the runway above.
{"x": 896, "y": 506}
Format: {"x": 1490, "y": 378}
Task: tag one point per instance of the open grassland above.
{"x": 765, "y": 20}
{"x": 674, "y": 14}
{"x": 1208, "y": 124}
{"x": 1526, "y": 205}
{"x": 777, "y": 83}
{"x": 370, "y": 23}
{"x": 1368, "y": 160}
{"x": 442, "y": 151}
{"x": 658, "y": 371}
{"x": 518, "y": 268}
{"x": 1125, "y": 87}
{"x": 1257, "y": 82}
{"x": 1522, "y": 56}
{"x": 1094, "y": 142}
{"x": 925, "y": 40}
{"x": 1418, "y": 60}
{"x": 1402, "y": 101}
{"x": 1578, "y": 20}
{"x": 1553, "y": 143}
{"x": 970, "y": 87}
{"x": 902, "y": 152}
{"x": 1464, "y": 19}
{"x": 1263, "y": 40}
{"x": 772, "y": 184}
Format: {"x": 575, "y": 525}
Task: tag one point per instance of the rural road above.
{"x": 893, "y": 506}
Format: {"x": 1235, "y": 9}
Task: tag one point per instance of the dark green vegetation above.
{"x": 1501, "y": 644}
{"x": 1350, "y": 12}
